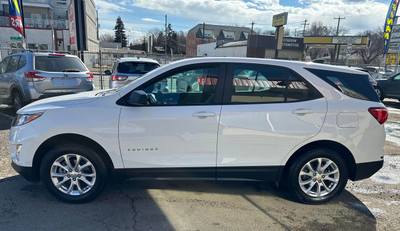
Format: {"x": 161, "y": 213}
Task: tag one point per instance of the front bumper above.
{"x": 366, "y": 170}
{"x": 26, "y": 172}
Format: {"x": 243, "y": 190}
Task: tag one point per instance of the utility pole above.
{"x": 166, "y": 36}
{"x": 304, "y": 23}
{"x": 252, "y": 26}
{"x": 337, "y": 47}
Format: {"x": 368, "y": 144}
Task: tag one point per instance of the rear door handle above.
{"x": 203, "y": 114}
{"x": 302, "y": 111}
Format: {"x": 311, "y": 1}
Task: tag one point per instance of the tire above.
{"x": 380, "y": 93}
{"x": 78, "y": 183}
{"x": 303, "y": 175}
{"x": 17, "y": 101}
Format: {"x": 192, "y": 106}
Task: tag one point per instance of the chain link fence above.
{"x": 99, "y": 62}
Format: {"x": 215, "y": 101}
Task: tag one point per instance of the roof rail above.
{"x": 26, "y": 51}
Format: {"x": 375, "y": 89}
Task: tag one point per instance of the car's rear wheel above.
{"x": 380, "y": 94}
{"x": 73, "y": 173}
{"x": 17, "y": 101}
{"x": 317, "y": 176}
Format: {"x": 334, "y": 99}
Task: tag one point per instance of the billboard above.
{"x": 76, "y": 20}
{"x": 279, "y": 19}
{"x": 395, "y": 34}
{"x": 389, "y": 22}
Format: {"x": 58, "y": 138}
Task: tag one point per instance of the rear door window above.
{"x": 268, "y": 84}
{"x": 353, "y": 85}
{"x": 3, "y": 65}
{"x": 136, "y": 67}
{"x": 59, "y": 64}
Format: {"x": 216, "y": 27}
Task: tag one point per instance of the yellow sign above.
{"x": 391, "y": 59}
{"x": 279, "y": 19}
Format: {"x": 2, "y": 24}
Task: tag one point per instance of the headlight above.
{"x": 21, "y": 119}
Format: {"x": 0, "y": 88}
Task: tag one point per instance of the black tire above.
{"x": 17, "y": 101}
{"x": 380, "y": 93}
{"x": 86, "y": 155}
{"x": 318, "y": 178}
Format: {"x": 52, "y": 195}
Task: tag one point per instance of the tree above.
{"x": 375, "y": 49}
{"x": 319, "y": 29}
{"x": 106, "y": 38}
{"x": 120, "y": 36}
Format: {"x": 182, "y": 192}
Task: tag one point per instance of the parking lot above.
{"x": 371, "y": 204}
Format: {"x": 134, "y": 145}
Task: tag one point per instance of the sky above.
{"x": 139, "y": 16}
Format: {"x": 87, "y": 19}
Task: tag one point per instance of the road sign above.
{"x": 16, "y": 38}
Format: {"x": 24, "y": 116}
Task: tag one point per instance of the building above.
{"x": 207, "y": 33}
{"x": 230, "y": 49}
{"x": 46, "y": 26}
{"x": 263, "y": 46}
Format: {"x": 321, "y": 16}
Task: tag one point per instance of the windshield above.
{"x": 136, "y": 67}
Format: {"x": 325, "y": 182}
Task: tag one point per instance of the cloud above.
{"x": 105, "y": 7}
{"x": 360, "y": 14}
{"x": 150, "y": 20}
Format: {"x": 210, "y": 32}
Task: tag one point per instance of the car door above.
{"x": 3, "y": 85}
{"x": 177, "y": 130}
{"x": 393, "y": 86}
{"x": 263, "y": 117}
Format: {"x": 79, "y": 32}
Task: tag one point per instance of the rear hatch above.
{"x": 58, "y": 74}
{"x": 133, "y": 70}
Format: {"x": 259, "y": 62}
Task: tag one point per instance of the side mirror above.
{"x": 107, "y": 72}
{"x": 137, "y": 98}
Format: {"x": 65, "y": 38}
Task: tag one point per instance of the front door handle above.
{"x": 203, "y": 114}
{"x": 302, "y": 111}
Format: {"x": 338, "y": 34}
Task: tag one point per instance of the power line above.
{"x": 338, "y": 23}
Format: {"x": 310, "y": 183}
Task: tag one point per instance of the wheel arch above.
{"x": 333, "y": 145}
{"x": 69, "y": 138}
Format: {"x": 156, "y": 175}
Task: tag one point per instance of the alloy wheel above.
{"x": 73, "y": 174}
{"x": 319, "y": 177}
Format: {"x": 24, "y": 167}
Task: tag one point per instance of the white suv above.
{"x": 310, "y": 127}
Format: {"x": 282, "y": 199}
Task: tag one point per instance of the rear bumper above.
{"x": 25, "y": 172}
{"x": 366, "y": 170}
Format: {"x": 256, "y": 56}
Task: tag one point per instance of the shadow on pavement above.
{"x": 177, "y": 205}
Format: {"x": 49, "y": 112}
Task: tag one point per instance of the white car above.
{"x": 310, "y": 127}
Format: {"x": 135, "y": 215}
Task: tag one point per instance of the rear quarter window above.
{"x": 353, "y": 85}
{"x": 59, "y": 64}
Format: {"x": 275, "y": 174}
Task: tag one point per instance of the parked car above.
{"x": 126, "y": 70}
{"x": 389, "y": 88}
{"x": 26, "y": 77}
{"x": 310, "y": 127}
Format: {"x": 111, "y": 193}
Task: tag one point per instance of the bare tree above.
{"x": 106, "y": 38}
{"x": 319, "y": 29}
{"x": 375, "y": 48}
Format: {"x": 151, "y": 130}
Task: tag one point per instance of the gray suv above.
{"x": 26, "y": 77}
{"x": 126, "y": 70}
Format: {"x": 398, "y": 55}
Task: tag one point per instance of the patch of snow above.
{"x": 393, "y": 203}
{"x": 377, "y": 211}
{"x": 390, "y": 172}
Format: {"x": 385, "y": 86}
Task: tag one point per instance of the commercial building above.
{"x": 206, "y": 33}
{"x": 263, "y": 46}
{"x": 46, "y": 26}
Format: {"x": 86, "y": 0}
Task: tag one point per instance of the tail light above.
{"x": 119, "y": 78}
{"x": 379, "y": 113}
{"x": 89, "y": 76}
{"x": 32, "y": 76}
{"x": 61, "y": 55}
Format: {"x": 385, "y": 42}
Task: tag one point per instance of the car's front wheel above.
{"x": 73, "y": 173}
{"x": 317, "y": 176}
